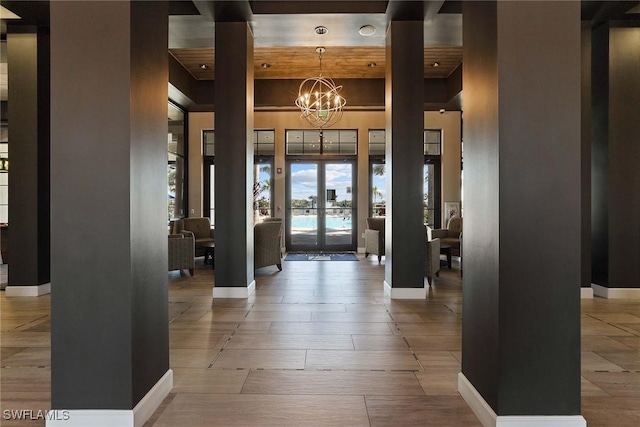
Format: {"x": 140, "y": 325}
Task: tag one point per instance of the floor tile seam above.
{"x": 612, "y": 362}
{"x": 217, "y": 356}
{"x": 624, "y": 329}
{"x": 595, "y": 385}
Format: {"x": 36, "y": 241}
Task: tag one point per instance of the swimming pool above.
{"x": 302, "y": 222}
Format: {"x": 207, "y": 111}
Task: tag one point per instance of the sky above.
{"x": 304, "y": 178}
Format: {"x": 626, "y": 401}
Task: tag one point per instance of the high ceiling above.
{"x": 287, "y": 43}
{"x": 337, "y": 62}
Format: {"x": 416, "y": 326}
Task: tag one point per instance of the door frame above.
{"x": 322, "y": 245}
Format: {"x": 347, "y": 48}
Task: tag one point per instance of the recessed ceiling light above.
{"x": 265, "y": 65}
{"x": 321, "y": 29}
{"x": 371, "y": 64}
{"x": 367, "y": 30}
{"x": 435, "y": 64}
{"x": 204, "y": 66}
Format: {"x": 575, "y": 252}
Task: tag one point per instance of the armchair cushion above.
{"x": 267, "y": 237}
{"x": 450, "y": 235}
{"x": 374, "y": 237}
{"x": 181, "y": 252}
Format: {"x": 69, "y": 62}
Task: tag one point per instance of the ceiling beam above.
{"x": 406, "y": 10}
{"x": 599, "y": 12}
{"x": 232, "y": 11}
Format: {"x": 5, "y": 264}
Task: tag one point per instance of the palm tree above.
{"x": 375, "y": 192}
{"x": 378, "y": 169}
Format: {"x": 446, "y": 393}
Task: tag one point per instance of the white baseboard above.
{"x": 135, "y": 417}
{"x": 28, "y": 291}
{"x": 488, "y": 418}
{"x": 604, "y": 292}
{"x": 360, "y": 250}
{"x": 152, "y": 400}
{"x": 234, "y": 292}
{"x": 404, "y": 293}
{"x": 586, "y": 293}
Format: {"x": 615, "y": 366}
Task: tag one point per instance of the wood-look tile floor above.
{"x": 318, "y": 344}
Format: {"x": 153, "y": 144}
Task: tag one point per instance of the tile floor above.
{"x": 319, "y": 345}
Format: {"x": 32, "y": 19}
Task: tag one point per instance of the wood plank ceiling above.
{"x": 337, "y": 62}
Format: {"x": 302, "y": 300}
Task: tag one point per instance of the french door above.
{"x": 320, "y": 207}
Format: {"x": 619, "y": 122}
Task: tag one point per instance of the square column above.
{"x": 404, "y": 105}
{"x": 28, "y": 62}
{"x": 234, "y": 275}
{"x": 522, "y": 244}
{"x": 615, "y": 222}
{"x": 109, "y": 306}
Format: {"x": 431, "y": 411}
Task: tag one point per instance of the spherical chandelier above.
{"x": 319, "y": 99}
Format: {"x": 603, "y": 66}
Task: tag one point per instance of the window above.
{"x": 378, "y": 181}
{"x": 264, "y": 150}
{"x": 321, "y": 142}
{"x": 432, "y": 177}
{"x": 176, "y": 166}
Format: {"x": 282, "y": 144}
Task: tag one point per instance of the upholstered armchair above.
{"x": 182, "y": 252}
{"x": 374, "y": 237}
{"x": 450, "y": 235}
{"x": 267, "y": 236}
{"x": 432, "y": 257}
{"x": 201, "y": 229}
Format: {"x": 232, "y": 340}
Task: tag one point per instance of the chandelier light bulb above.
{"x": 314, "y": 99}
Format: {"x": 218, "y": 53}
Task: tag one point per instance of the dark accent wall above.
{"x": 182, "y": 80}
{"x": 108, "y": 207}
{"x": 198, "y": 95}
{"x": 405, "y": 231}
{"x": 624, "y": 156}
{"x": 28, "y": 61}
{"x": 521, "y": 330}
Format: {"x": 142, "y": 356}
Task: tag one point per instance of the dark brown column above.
{"x": 109, "y": 314}
{"x": 28, "y": 62}
{"x": 522, "y": 254}
{"x": 405, "y": 246}
{"x": 615, "y": 226}
{"x": 234, "y": 277}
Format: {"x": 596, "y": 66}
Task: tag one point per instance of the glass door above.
{"x": 320, "y": 210}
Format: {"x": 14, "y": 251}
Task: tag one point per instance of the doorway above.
{"x": 320, "y": 208}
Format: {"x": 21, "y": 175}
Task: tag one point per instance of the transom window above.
{"x": 431, "y": 187}
{"x": 263, "y": 142}
{"x": 321, "y": 142}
